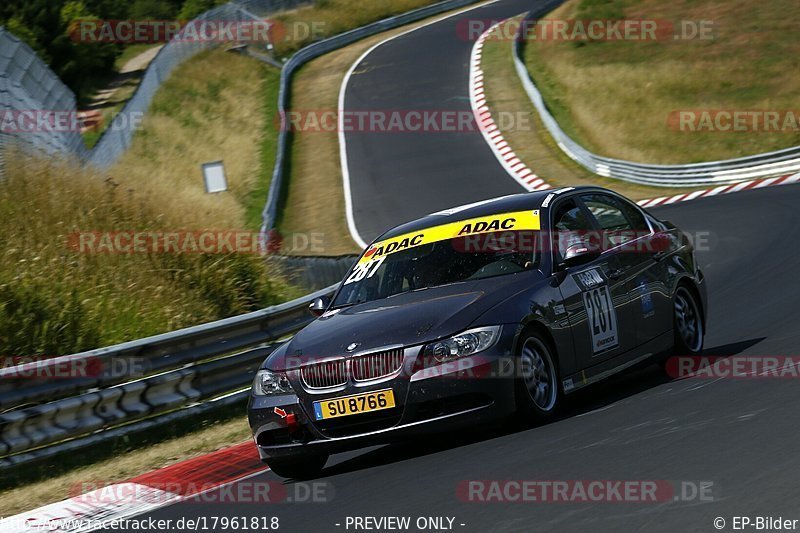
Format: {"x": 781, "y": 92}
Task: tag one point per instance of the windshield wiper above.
{"x": 348, "y": 304}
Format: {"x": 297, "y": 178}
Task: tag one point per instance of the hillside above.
{"x": 621, "y": 98}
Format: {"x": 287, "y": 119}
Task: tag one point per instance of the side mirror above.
{"x": 580, "y": 253}
{"x": 318, "y": 306}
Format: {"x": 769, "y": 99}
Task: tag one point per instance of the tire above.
{"x": 305, "y": 467}
{"x": 687, "y": 323}
{"x": 537, "y": 387}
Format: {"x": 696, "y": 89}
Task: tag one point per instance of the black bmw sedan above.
{"x": 481, "y": 311}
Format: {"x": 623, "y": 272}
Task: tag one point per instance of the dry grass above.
{"x": 130, "y": 464}
{"x": 54, "y": 300}
{"x": 530, "y": 140}
{"x": 211, "y": 108}
{"x": 615, "y": 97}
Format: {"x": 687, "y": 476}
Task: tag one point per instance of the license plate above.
{"x": 353, "y": 405}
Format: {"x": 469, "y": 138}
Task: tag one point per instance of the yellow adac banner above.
{"x": 516, "y": 221}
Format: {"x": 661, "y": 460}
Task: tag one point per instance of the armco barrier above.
{"x": 229, "y": 373}
{"x": 315, "y": 272}
{"x": 27, "y": 84}
{"x": 142, "y": 426}
{"x": 160, "y": 352}
{"x": 771, "y": 164}
{"x": 206, "y": 364}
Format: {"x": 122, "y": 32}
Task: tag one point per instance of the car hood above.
{"x": 408, "y": 318}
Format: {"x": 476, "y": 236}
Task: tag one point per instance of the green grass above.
{"x": 615, "y": 97}
{"x": 529, "y": 138}
{"x": 197, "y": 117}
{"x": 55, "y": 300}
{"x": 257, "y": 196}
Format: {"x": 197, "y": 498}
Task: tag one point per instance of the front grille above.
{"x": 376, "y": 365}
{"x": 323, "y": 375}
{"x": 362, "y": 368}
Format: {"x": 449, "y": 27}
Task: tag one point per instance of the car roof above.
{"x": 493, "y": 206}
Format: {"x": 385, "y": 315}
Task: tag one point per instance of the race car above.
{"x": 475, "y": 313}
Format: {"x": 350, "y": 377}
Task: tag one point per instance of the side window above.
{"x": 634, "y": 216}
{"x": 570, "y": 225}
{"x": 620, "y": 221}
{"x": 570, "y": 217}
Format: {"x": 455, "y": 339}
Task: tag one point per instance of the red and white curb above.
{"x": 491, "y": 132}
{"x": 88, "y": 511}
{"x": 531, "y": 182}
{"x": 722, "y": 189}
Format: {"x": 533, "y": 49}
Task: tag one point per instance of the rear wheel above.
{"x": 537, "y": 388}
{"x": 304, "y": 467}
{"x": 688, "y": 323}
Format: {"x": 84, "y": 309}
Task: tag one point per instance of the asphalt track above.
{"x": 396, "y": 177}
{"x": 742, "y": 435}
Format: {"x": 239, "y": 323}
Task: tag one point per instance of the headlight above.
{"x": 467, "y": 343}
{"x": 269, "y": 383}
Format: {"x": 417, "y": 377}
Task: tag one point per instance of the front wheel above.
{"x": 536, "y": 381}
{"x": 305, "y": 467}
{"x": 688, "y": 323}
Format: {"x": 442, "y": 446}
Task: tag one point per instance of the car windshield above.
{"x": 439, "y": 263}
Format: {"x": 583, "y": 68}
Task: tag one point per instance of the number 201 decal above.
{"x": 364, "y": 270}
{"x": 602, "y": 318}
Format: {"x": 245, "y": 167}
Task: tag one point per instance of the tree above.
{"x": 192, "y": 8}
{"x": 154, "y": 9}
{"x": 17, "y": 27}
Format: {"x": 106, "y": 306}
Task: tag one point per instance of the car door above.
{"x": 593, "y": 293}
{"x": 627, "y": 233}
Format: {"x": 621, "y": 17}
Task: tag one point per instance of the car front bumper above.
{"x": 468, "y": 391}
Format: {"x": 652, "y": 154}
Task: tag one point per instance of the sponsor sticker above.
{"x": 602, "y": 316}
{"x": 549, "y": 198}
{"x": 519, "y": 220}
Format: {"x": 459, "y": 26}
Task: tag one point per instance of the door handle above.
{"x": 614, "y": 275}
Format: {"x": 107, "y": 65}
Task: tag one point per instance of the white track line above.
{"x": 348, "y": 199}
